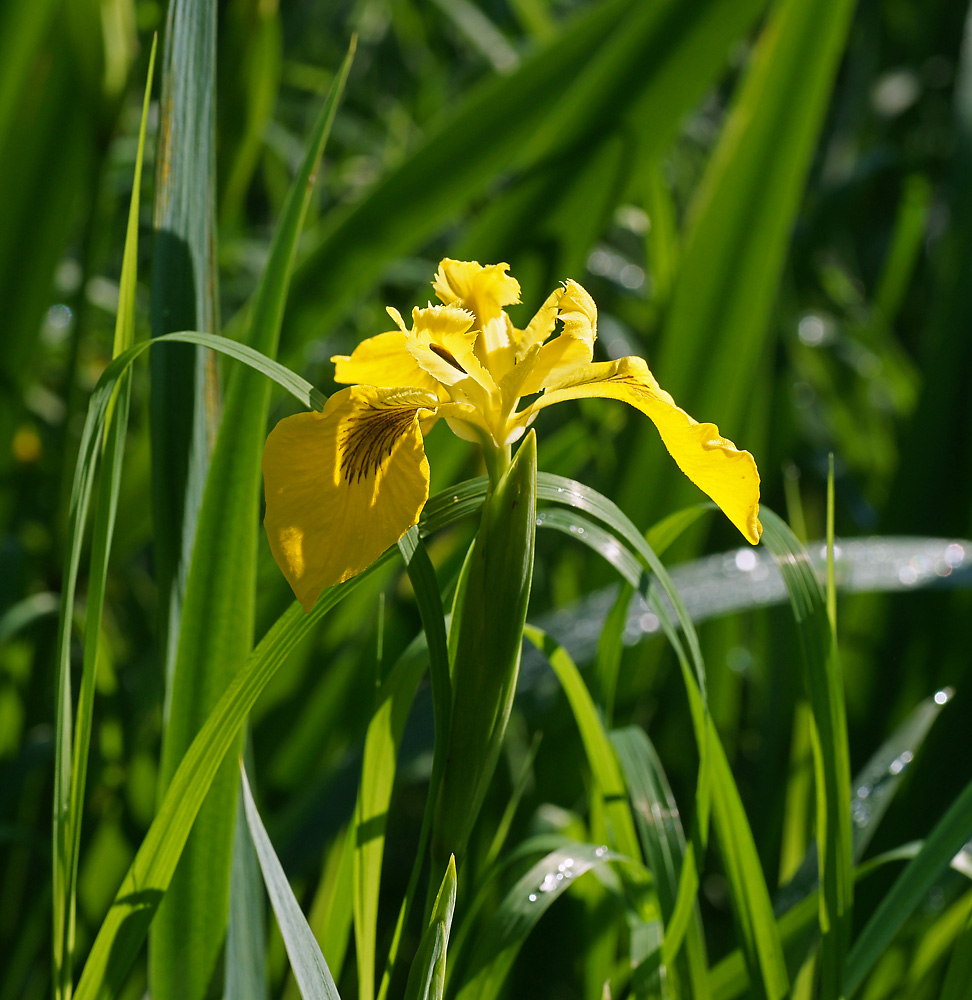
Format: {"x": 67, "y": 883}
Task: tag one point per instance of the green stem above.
{"x": 497, "y": 462}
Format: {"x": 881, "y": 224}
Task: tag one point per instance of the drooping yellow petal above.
{"x": 712, "y": 462}
{"x": 572, "y": 348}
{"x": 483, "y": 290}
{"x": 344, "y": 484}
{"x": 382, "y": 360}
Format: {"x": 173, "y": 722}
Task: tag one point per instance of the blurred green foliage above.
{"x": 571, "y": 139}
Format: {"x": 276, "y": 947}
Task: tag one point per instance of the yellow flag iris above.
{"x": 344, "y": 484}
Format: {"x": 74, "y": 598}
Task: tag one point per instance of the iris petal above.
{"x": 382, "y": 360}
{"x": 344, "y": 484}
{"x": 484, "y": 290}
{"x": 711, "y": 461}
{"x": 573, "y": 348}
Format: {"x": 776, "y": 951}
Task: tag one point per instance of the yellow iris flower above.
{"x": 345, "y": 483}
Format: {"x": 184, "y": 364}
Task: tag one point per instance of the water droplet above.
{"x": 746, "y": 560}
{"x": 954, "y": 554}
{"x": 601, "y": 851}
{"x": 532, "y": 897}
{"x": 549, "y": 882}
{"x": 943, "y": 696}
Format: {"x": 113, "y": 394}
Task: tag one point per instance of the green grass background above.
{"x": 768, "y": 201}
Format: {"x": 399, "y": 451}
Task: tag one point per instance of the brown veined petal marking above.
{"x": 344, "y": 484}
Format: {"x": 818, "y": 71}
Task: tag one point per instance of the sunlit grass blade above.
{"x": 663, "y": 843}
{"x": 71, "y": 763}
{"x": 600, "y": 753}
{"x": 949, "y": 835}
{"x": 831, "y": 754}
{"x": 185, "y": 296}
{"x": 382, "y": 744}
{"x": 873, "y": 790}
{"x": 653, "y": 60}
{"x": 422, "y": 576}
{"x": 717, "y": 330}
{"x": 798, "y": 928}
{"x": 246, "y": 940}
{"x": 493, "y": 952}
{"x": 958, "y": 978}
{"x": 311, "y": 971}
{"x": 217, "y": 621}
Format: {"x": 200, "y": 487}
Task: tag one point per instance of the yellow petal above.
{"x": 484, "y": 290}
{"x": 344, "y": 484}
{"x": 712, "y": 462}
{"x": 573, "y": 348}
{"x": 443, "y": 343}
{"x": 383, "y": 360}
{"x": 541, "y": 326}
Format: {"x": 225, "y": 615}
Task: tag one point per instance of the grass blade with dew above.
{"x": 71, "y": 762}
{"x": 948, "y": 837}
{"x": 874, "y": 788}
{"x": 495, "y": 949}
{"x": 748, "y": 890}
{"x": 311, "y": 971}
{"x": 217, "y": 617}
{"x": 814, "y": 613}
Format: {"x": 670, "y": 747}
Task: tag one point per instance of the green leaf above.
{"x": 831, "y": 754}
{"x": 600, "y": 753}
{"x": 494, "y": 593}
{"x": 663, "y": 843}
{"x": 717, "y": 331}
{"x": 185, "y": 296}
{"x": 216, "y": 627}
{"x": 382, "y": 744}
{"x": 496, "y": 948}
{"x": 947, "y": 838}
{"x": 426, "y": 980}
{"x": 311, "y": 971}
{"x": 71, "y": 763}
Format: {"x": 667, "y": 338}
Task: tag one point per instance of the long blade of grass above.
{"x": 601, "y": 756}
{"x": 311, "y": 971}
{"x": 653, "y": 61}
{"x": 717, "y": 329}
{"x": 663, "y": 843}
{"x": 71, "y": 763}
{"x": 532, "y": 895}
{"x": 185, "y": 296}
{"x": 831, "y": 754}
{"x": 947, "y": 838}
{"x": 748, "y": 890}
{"x": 381, "y": 747}
{"x": 217, "y": 621}
{"x": 874, "y": 788}
{"x": 422, "y": 576}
